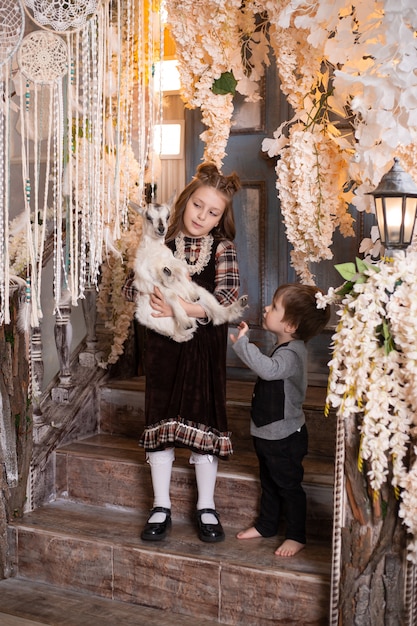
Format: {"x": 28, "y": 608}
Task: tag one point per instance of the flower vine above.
{"x": 221, "y": 48}
{"x": 312, "y": 199}
{"x": 373, "y": 373}
{"x": 120, "y": 249}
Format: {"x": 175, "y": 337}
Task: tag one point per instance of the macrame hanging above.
{"x": 12, "y": 25}
{"x": 43, "y": 62}
{"x": 61, "y": 15}
{"x": 11, "y": 33}
{"x": 89, "y": 150}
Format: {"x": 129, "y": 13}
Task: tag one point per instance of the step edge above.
{"x": 170, "y": 551}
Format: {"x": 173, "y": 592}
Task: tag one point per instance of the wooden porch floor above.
{"x": 27, "y": 603}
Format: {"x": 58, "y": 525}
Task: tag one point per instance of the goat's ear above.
{"x": 171, "y": 200}
{"x": 136, "y": 207}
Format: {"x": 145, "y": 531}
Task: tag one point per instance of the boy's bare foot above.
{"x": 289, "y": 548}
{"x": 249, "y": 533}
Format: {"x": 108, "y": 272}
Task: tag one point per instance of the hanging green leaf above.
{"x": 364, "y": 267}
{"x": 225, "y": 84}
{"x": 355, "y": 273}
{"x": 347, "y": 271}
{"x": 386, "y": 338}
{"x": 345, "y": 288}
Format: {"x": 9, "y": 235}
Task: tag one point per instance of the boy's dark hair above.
{"x": 300, "y": 306}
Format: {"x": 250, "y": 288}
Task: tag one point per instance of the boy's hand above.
{"x": 243, "y": 329}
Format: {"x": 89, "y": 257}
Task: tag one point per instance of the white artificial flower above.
{"x": 378, "y": 385}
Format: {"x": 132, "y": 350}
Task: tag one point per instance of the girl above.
{"x": 185, "y": 398}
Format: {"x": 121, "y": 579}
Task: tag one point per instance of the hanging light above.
{"x": 395, "y": 207}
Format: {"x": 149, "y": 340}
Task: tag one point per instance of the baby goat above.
{"x": 155, "y": 265}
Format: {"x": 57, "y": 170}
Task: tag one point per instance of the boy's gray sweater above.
{"x": 289, "y": 364}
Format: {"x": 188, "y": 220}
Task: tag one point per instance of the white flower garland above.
{"x": 372, "y": 45}
{"x": 373, "y": 374}
{"x": 311, "y": 194}
{"x": 208, "y": 36}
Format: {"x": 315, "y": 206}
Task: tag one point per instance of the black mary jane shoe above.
{"x": 156, "y": 531}
{"x": 210, "y": 533}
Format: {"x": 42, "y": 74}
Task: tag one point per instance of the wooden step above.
{"x": 97, "y": 550}
{"x": 122, "y": 404}
{"x": 86, "y": 544}
{"x": 111, "y": 470}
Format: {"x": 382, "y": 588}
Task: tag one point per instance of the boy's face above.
{"x": 273, "y": 320}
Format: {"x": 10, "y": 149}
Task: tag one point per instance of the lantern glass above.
{"x": 409, "y": 218}
{"x": 380, "y": 217}
{"x": 395, "y": 207}
{"x": 393, "y": 219}
{"x": 396, "y": 216}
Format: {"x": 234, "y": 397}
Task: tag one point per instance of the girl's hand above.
{"x": 243, "y": 329}
{"x": 160, "y": 307}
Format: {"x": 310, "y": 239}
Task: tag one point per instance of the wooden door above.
{"x": 262, "y": 246}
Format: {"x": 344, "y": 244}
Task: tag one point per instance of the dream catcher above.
{"x": 11, "y": 33}
{"x": 43, "y": 63}
{"x": 92, "y": 128}
{"x": 61, "y": 15}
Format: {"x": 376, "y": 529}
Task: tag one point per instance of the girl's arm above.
{"x": 128, "y": 289}
{"x": 227, "y": 281}
{"x": 162, "y": 309}
{"x": 226, "y": 289}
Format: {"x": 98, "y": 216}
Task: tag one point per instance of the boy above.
{"x": 278, "y": 423}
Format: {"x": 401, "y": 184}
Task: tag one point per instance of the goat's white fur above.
{"x": 155, "y": 265}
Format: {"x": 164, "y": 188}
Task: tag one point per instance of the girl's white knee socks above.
{"x": 206, "y": 475}
{"x": 161, "y": 470}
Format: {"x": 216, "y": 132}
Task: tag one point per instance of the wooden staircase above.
{"x": 87, "y": 540}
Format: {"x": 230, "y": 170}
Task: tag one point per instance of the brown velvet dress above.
{"x": 185, "y": 399}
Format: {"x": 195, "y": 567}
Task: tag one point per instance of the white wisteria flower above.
{"x": 216, "y": 41}
{"x": 373, "y": 373}
{"x": 311, "y": 195}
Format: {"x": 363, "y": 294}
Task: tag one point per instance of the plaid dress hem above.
{"x": 181, "y": 433}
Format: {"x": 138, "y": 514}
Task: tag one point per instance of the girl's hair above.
{"x": 209, "y": 176}
{"x": 300, "y": 306}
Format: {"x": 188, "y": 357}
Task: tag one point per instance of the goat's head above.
{"x": 155, "y": 217}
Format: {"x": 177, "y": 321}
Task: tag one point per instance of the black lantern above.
{"x": 395, "y": 207}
